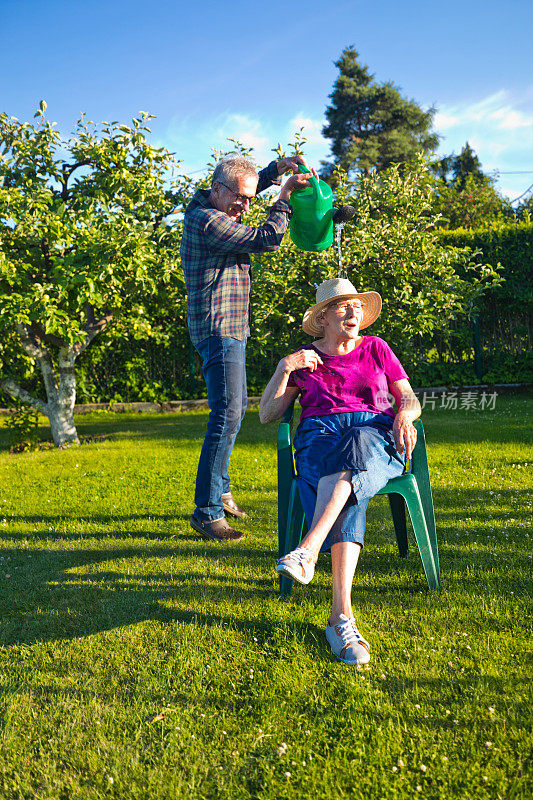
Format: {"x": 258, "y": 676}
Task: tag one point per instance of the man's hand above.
{"x": 290, "y": 164}
{"x": 300, "y": 180}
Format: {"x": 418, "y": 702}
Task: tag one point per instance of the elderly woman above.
{"x": 349, "y": 443}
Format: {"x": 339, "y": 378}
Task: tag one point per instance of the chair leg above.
{"x": 421, "y": 474}
{"x": 397, "y": 507}
{"x": 293, "y": 533}
{"x": 423, "y": 539}
{"x": 285, "y": 585}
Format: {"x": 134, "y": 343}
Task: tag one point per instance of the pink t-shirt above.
{"x": 357, "y": 381}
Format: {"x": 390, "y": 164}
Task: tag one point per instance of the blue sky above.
{"x": 258, "y": 71}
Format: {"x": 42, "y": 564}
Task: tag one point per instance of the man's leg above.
{"x": 228, "y": 501}
{"x": 224, "y": 373}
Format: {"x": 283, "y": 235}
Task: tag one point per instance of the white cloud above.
{"x": 499, "y": 130}
{"x": 244, "y": 129}
{"x": 443, "y": 121}
{"x": 193, "y": 140}
{"x": 509, "y": 119}
{"x": 315, "y": 147}
{"x": 311, "y": 129}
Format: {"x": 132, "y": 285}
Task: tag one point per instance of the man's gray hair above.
{"x": 231, "y": 167}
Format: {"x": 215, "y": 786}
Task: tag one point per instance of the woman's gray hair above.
{"x": 231, "y": 167}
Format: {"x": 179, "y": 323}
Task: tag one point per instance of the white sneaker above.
{"x": 347, "y": 643}
{"x": 298, "y": 565}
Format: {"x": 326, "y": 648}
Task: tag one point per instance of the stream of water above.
{"x": 341, "y": 273}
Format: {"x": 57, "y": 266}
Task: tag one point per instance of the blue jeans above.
{"x": 224, "y": 368}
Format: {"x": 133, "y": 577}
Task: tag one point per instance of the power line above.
{"x": 522, "y": 195}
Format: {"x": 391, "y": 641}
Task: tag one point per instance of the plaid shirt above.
{"x": 214, "y": 256}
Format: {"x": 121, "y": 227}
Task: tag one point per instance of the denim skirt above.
{"x": 358, "y": 441}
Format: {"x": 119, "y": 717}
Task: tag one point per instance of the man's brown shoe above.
{"x": 231, "y": 507}
{"x": 219, "y": 530}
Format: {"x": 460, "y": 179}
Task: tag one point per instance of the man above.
{"x": 215, "y": 251}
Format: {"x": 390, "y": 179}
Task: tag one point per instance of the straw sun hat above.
{"x": 334, "y": 290}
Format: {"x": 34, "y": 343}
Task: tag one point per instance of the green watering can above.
{"x": 311, "y": 223}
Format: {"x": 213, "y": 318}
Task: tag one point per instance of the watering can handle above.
{"x": 312, "y": 180}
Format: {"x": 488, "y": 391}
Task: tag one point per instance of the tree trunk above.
{"x": 60, "y": 406}
{"x": 60, "y": 397}
{"x": 61, "y": 418}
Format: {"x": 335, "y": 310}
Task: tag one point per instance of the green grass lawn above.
{"x": 114, "y": 611}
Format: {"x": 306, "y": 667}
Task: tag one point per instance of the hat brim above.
{"x": 371, "y": 304}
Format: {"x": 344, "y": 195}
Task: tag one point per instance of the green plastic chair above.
{"x": 413, "y": 489}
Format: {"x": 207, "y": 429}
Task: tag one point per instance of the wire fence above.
{"x": 492, "y": 348}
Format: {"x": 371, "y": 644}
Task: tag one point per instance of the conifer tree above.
{"x": 455, "y": 169}
{"x": 370, "y": 124}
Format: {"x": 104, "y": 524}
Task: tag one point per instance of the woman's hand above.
{"x": 278, "y": 396}
{"x": 302, "y": 359}
{"x": 404, "y": 433}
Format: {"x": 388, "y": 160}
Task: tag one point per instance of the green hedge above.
{"x": 510, "y": 245}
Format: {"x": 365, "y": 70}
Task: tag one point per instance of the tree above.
{"x": 465, "y": 196}
{"x": 456, "y": 169}
{"x": 524, "y": 210}
{"x": 370, "y": 125}
{"x": 84, "y": 241}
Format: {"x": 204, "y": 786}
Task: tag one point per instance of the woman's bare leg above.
{"x": 341, "y": 631}
{"x": 344, "y": 558}
{"x": 332, "y": 494}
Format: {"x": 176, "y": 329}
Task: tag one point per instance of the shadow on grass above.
{"x": 53, "y": 594}
{"x": 459, "y": 504}
{"x": 101, "y": 519}
{"x": 57, "y": 594}
{"x": 441, "y": 428}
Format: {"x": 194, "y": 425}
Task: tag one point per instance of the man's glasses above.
{"x": 242, "y": 198}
